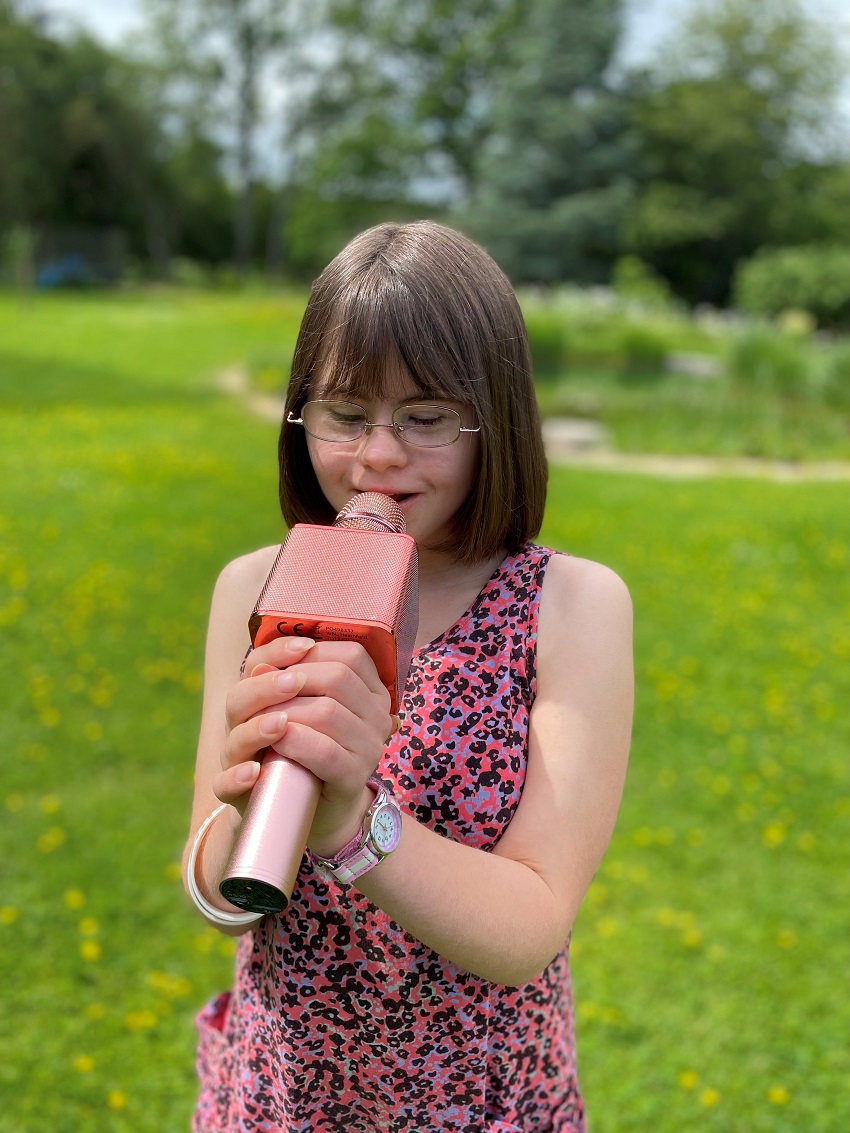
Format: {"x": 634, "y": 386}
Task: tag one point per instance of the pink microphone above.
{"x": 354, "y": 581}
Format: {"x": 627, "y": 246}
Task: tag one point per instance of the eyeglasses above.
{"x": 428, "y": 426}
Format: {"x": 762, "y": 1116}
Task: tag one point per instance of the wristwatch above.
{"x": 378, "y": 837}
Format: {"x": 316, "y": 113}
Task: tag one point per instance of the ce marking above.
{"x": 299, "y": 629}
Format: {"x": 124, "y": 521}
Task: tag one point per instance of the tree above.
{"x": 392, "y": 109}
{"x": 217, "y": 59}
{"x": 79, "y": 147}
{"x": 553, "y": 178}
{"x": 732, "y": 127}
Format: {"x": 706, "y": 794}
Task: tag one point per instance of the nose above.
{"x": 380, "y": 448}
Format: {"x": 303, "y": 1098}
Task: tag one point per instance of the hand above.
{"x": 333, "y": 719}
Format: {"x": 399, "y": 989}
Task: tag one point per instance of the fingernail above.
{"x": 301, "y": 644}
{"x": 290, "y": 682}
{"x": 246, "y": 773}
{"x": 273, "y": 724}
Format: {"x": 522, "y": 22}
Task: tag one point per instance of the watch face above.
{"x": 386, "y": 828}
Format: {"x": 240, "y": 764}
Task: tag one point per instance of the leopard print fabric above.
{"x": 342, "y": 1022}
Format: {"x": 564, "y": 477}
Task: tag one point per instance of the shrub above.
{"x": 547, "y": 337}
{"x": 813, "y": 277}
{"x": 635, "y": 279}
{"x": 644, "y": 351}
{"x": 765, "y": 359}
{"x": 188, "y": 273}
{"x": 836, "y": 375}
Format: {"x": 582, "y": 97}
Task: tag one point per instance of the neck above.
{"x": 447, "y": 589}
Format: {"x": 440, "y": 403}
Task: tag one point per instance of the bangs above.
{"x": 372, "y": 341}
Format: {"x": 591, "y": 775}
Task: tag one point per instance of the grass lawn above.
{"x": 711, "y": 957}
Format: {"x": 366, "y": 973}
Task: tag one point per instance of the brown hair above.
{"x": 426, "y": 297}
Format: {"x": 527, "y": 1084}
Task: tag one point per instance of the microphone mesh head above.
{"x": 372, "y": 511}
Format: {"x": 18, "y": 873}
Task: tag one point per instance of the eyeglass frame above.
{"x": 369, "y": 425}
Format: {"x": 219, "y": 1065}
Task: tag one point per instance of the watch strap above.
{"x": 359, "y": 855}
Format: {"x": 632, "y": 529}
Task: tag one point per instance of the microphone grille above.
{"x": 371, "y": 511}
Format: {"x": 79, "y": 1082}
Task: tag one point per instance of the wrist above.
{"x": 329, "y": 845}
{"x": 378, "y": 836}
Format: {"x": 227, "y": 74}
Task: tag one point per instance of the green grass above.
{"x": 717, "y": 417}
{"x": 711, "y": 957}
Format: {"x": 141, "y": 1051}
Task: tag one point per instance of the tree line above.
{"x": 261, "y": 134}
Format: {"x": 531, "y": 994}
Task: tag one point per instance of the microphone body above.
{"x": 355, "y": 581}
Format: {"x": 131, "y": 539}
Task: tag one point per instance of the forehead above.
{"x": 384, "y": 379}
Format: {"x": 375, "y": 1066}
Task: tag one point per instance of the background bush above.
{"x": 814, "y": 277}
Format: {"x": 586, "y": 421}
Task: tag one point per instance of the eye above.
{"x": 340, "y": 413}
{"x": 423, "y": 417}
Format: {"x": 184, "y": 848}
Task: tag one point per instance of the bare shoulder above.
{"x": 235, "y": 595}
{"x": 574, "y": 585}
{"x": 585, "y": 610}
{"x": 243, "y": 577}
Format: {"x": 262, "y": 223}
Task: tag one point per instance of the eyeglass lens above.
{"x": 426, "y": 425}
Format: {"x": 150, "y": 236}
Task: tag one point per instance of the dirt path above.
{"x": 583, "y": 450}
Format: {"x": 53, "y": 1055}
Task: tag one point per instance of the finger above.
{"x": 253, "y": 736}
{"x": 352, "y": 655}
{"x": 340, "y": 769}
{"x": 233, "y": 785}
{"x": 285, "y": 651}
{"x": 280, "y": 652}
{"x": 261, "y": 693}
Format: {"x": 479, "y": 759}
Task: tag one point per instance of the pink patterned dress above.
{"x": 342, "y": 1022}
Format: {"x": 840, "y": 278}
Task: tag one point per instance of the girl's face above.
{"x": 429, "y": 484}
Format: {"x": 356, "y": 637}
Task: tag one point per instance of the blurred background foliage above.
{"x": 229, "y": 140}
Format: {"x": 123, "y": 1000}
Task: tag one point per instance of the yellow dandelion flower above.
{"x": 773, "y": 834}
{"x": 96, "y": 1011}
{"x": 49, "y": 717}
{"x": 606, "y": 926}
{"x": 587, "y": 1010}
{"x": 93, "y": 731}
{"x": 778, "y": 1095}
{"x": 643, "y": 837}
{"x": 226, "y": 946}
{"x": 173, "y": 871}
{"x": 692, "y": 938}
{"x": 696, "y": 837}
{"x": 689, "y": 1079}
{"x": 170, "y": 986}
{"x": 51, "y": 840}
{"x": 806, "y": 843}
{"x": 90, "y": 950}
{"x": 50, "y": 803}
{"x": 140, "y": 1020}
{"x": 598, "y": 893}
{"x": 88, "y": 926}
{"x": 667, "y": 777}
{"x": 204, "y": 941}
{"x": 786, "y": 938}
{"x": 84, "y": 1063}
{"x": 8, "y": 914}
{"x": 721, "y": 785}
{"x": 709, "y": 1097}
{"x": 74, "y": 898}
{"x": 116, "y": 1099}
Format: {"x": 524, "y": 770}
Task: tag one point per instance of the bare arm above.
{"x": 505, "y": 915}
{"x": 502, "y": 916}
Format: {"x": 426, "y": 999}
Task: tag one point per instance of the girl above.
{"x": 428, "y": 988}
